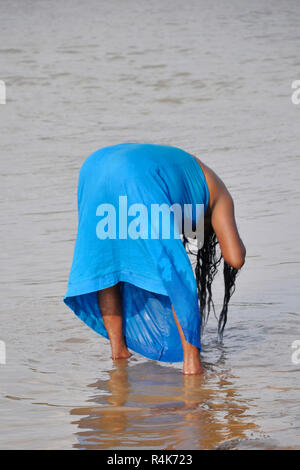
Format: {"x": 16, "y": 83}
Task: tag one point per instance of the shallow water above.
{"x": 213, "y": 78}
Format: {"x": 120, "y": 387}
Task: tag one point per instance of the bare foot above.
{"x": 192, "y": 369}
{"x": 191, "y": 354}
{"x": 192, "y": 363}
{"x": 122, "y": 354}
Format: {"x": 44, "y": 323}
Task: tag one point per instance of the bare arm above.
{"x": 224, "y": 225}
{"x": 221, "y": 208}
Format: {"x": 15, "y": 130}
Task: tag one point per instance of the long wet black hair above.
{"x": 206, "y": 267}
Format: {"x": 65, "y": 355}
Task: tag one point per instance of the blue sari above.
{"x": 154, "y": 272}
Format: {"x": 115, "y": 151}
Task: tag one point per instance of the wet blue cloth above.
{"x": 154, "y": 273}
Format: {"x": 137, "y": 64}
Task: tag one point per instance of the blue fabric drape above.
{"x": 153, "y": 273}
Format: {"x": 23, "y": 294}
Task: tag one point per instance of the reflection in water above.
{"x": 153, "y": 406}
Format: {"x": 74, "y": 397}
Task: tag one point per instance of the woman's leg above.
{"x": 110, "y": 304}
{"x": 191, "y": 354}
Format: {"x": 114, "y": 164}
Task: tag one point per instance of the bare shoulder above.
{"x": 216, "y": 186}
{"x": 223, "y": 218}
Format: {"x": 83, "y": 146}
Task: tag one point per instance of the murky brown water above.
{"x": 215, "y": 79}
